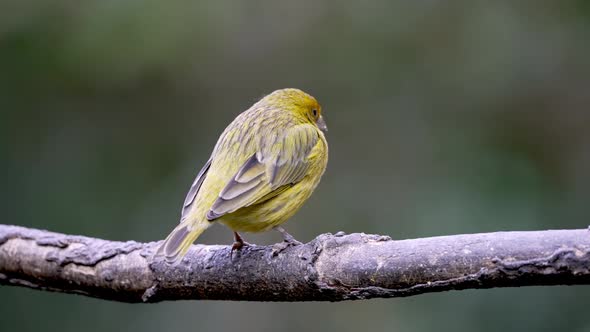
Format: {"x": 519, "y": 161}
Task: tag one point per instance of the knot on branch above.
{"x": 574, "y": 261}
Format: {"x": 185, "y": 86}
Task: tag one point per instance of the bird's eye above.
{"x": 315, "y": 112}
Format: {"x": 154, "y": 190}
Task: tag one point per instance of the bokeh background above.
{"x": 445, "y": 117}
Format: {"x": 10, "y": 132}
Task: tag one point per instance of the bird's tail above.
{"x": 180, "y": 239}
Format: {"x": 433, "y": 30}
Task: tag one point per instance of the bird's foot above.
{"x": 288, "y": 241}
{"x": 287, "y": 237}
{"x": 238, "y": 244}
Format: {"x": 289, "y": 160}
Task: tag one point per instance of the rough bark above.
{"x": 329, "y": 268}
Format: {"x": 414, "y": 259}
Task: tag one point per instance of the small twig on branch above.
{"x": 329, "y": 268}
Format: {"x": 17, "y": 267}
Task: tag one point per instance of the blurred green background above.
{"x": 445, "y": 117}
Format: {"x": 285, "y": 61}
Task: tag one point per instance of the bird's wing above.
{"x": 192, "y": 193}
{"x": 268, "y": 172}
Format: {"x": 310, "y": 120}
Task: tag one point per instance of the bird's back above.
{"x": 254, "y": 131}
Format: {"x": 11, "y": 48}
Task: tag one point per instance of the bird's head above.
{"x": 303, "y": 105}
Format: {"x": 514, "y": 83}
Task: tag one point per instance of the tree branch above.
{"x": 329, "y": 268}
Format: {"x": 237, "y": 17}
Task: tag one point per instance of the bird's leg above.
{"x": 287, "y": 237}
{"x": 288, "y": 241}
{"x": 238, "y": 244}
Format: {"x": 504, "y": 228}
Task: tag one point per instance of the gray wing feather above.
{"x": 239, "y": 190}
{"x": 267, "y": 171}
{"x": 192, "y": 193}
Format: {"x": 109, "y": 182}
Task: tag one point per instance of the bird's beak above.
{"x": 322, "y": 124}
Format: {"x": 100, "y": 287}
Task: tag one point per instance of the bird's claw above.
{"x": 238, "y": 244}
{"x": 277, "y": 248}
{"x": 288, "y": 241}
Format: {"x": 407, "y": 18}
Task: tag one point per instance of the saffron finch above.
{"x": 265, "y": 165}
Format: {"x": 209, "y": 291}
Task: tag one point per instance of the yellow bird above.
{"x": 265, "y": 165}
